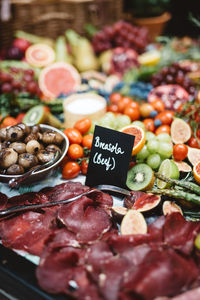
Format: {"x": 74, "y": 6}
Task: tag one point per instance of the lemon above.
{"x": 149, "y": 58}
{"x": 169, "y": 169}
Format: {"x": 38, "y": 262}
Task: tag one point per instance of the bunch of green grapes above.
{"x": 156, "y": 149}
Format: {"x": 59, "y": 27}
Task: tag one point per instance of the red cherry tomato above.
{"x": 87, "y": 141}
{"x": 20, "y": 117}
{"x": 180, "y": 151}
{"x": 158, "y": 105}
{"x": 75, "y": 151}
{"x": 9, "y": 121}
{"x": 149, "y": 124}
{"x": 123, "y": 103}
{"x": 84, "y": 166}
{"x": 115, "y": 97}
{"x": 133, "y": 104}
{"x": 133, "y": 113}
{"x": 83, "y": 125}
{"x": 71, "y": 170}
{"x": 193, "y": 143}
{"x": 166, "y": 117}
{"x": 113, "y": 108}
{"x": 74, "y": 136}
{"x": 163, "y": 129}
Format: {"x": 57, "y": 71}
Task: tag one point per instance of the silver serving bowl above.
{"x": 42, "y": 174}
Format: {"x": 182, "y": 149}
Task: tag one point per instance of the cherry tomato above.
{"x": 87, "y": 141}
{"x": 64, "y": 161}
{"x": 146, "y": 109}
{"x": 123, "y": 103}
{"x": 180, "y": 151}
{"x": 115, "y": 97}
{"x": 20, "y": 117}
{"x": 83, "y": 125}
{"x": 158, "y": 105}
{"x": 193, "y": 142}
{"x": 163, "y": 129}
{"x": 71, "y": 170}
{"x": 74, "y": 136}
{"x": 166, "y": 117}
{"x": 133, "y": 104}
{"x": 9, "y": 121}
{"x": 84, "y": 166}
{"x": 75, "y": 151}
{"x": 149, "y": 124}
{"x": 113, "y": 108}
{"x": 133, "y": 113}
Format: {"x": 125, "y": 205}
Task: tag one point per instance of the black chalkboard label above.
{"x": 109, "y": 158}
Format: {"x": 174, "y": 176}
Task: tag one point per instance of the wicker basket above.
{"x": 51, "y": 18}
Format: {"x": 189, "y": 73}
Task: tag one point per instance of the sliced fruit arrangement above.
{"x": 40, "y": 55}
{"x": 139, "y": 135}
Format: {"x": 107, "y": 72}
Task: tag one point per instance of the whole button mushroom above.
{"x": 15, "y": 170}
{"x": 32, "y": 147}
{"x": 35, "y": 129}
{"x": 30, "y": 137}
{"x": 26, "y": 129}
{"x": 45, "y": 156}
{"x": 3, "y": 134}
{"x": 14, "y": 133}
{"x": 50, "y": 137}
{"x": 53, "y": 148}
{"x": 18, "y": 147}
{"x": 27, "y": 160}
{"x": 8, "y": 157}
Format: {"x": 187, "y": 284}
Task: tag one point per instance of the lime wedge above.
{"x": 169, "y": 169}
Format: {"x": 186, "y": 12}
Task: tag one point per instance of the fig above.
{"x": 130, "y": 200}
{"x": 183, "y": 166}
{"x": 180, "y": 131}
{"x": 193, "y": 155}
{"x": 119, "y": 212}
{"x": 133, "y": 223}
{"x": 146, "y": 202}
{"x": 170, "y": 207}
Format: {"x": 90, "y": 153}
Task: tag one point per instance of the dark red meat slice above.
{"x": 27, "y": 231}
{"x": 134, "y": 196}
{"x": 190, "y": 295}
{"x": 102, "y": 199}
{"x": 62, "y": 238}
{"x": 160, "y": 274}
{"x": 180, "y": 234}
{"x": 155, "y": 229}
{"x": 3, "y": 201}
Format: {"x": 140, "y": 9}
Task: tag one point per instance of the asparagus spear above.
{"x": 177, "y": 195}
{"x": 184, "y": 184}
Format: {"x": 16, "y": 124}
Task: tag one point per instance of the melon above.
{"x": 59, "y": 78}
{"x": 40, "y": 55}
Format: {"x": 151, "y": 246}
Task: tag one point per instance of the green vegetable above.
{"x": 184, "y": 184}
{"x": 90, "y": 29}
{"x": 56, "y": 106}
{"x": 33, "y": 39}
{"x": 61, "y": 50}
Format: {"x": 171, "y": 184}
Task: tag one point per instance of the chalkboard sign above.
{"x": 109, "y": 158}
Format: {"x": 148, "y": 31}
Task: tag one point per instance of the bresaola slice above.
{"x": 3, "y": 201}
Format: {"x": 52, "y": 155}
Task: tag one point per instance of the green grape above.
{"x": 108, "y": 120}
{"x": 143, "y": 154}
{"x": 139, "y": 124}
{"x": 91, "y": 130}
{"x": 165, "y": 149}
{"x": 154, "y": 161}
{"x": 152, "y": 146}
{"x": 122, "y": 121}
{"x": 164, "y": 137}
{"x": 150, "y": 136}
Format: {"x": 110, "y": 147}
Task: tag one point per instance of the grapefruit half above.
{"x": 59, "y": 78}
{"x": 196, "y": 172}
{"x": 40, "y": 55}
{"x": 139, "y": 134}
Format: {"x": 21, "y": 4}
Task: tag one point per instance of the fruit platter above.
{"x": 140, "y": 240}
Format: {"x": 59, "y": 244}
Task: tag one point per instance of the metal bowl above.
{"x": 42, "y": 174}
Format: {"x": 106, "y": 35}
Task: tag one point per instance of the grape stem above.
{"x": 177, "y": 195}
{"x": 184, "y": 184}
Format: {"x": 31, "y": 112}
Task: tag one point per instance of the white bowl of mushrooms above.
{"x": 23, "y": 148}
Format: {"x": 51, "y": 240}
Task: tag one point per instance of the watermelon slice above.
{"x": 172, "y": 95}
{"x": 40, "y": 55}
{"x": 59, "y": 78}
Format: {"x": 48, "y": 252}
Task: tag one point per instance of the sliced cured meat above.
{"x": 62, "y": 238}
{"x": 27, "y": 231}
{"x": 160, "y": 274}
{"x": 102, "y": 199}
{"x": 180, "y": 234}
{"x": 155, "y": 229}
{"x": 134, "y": 196}
{"x": 72, "y": 215}
{"x": 3, "y": 201}
{"x": 190, "y": 295}
{"x": 94, "y": 224}
{"x": 27, "y": 199}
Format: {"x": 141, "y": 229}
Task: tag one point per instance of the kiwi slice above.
{"x": 140, "y": 178}
{"x": 35, "y": 115}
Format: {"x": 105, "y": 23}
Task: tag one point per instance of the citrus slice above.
{"x": 139, "y": 134}
{"x": 169, "y": 169}
{"x": 196, "y": 171}
{"x": 40, "y": 55}
{"x": 59, "y": 78}
{"x": 149, "y": 58}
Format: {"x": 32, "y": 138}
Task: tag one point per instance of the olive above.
{"x": 3, "y": 134}
{"x": 27, "y": 160}
{"x": 50, "y": 137}
{"x": 35, "y": 129}
{"x": 15, "y": 170}
{"x": 8, "y": 157}
{"x": 53, "y": 148}
{"x": 14, "y": 133}
{"x": 45, "y": 156}
{"x": 31, "y": 136}
{"x": 18, "y": 147}
{"x": 26, "y": 129}
{"x": 32, "y": 146}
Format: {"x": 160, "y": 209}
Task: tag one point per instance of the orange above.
{"x": 40, "y": 55}
{"x": 196, "y": 171}
{"x": 139, "y": 137}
